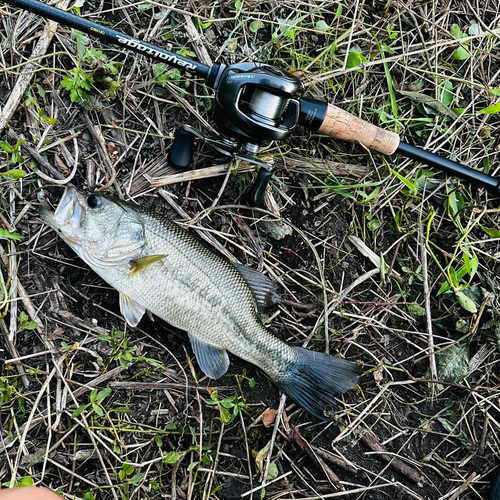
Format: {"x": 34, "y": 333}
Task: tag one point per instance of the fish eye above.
{"x": 94, "y": 201}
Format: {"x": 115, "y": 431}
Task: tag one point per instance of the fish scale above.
{"x": 158, "y": 266}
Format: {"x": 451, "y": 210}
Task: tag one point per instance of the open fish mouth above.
{"x": 69, "y": 214}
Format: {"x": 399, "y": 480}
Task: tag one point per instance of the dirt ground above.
{"x": 385, "y": 262}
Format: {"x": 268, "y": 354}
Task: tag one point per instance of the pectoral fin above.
{"x": 213, "y": 361}
{"x": 137, "y": 265}
{"x": 132, "y": 310}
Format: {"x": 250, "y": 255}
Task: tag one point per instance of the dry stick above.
{"x": 195, "y": 38}
{"x": 463, "y": 487}
{"x": 374, "y": 444}
{"x": 297, "y": 438}
{"x": 25, "y": 78}
{"x": 99, "y": 139}
{"x": 13, "y": 267}
{"x": 249, "y": 463}
{"x": 37, "y": 156}
{"x": 251, "y": 238}
{"x": 279, "y": 415}
{"x": 423, "y": 257}
{"x": 200, "y": 173}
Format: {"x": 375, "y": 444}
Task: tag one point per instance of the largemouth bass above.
{"x": 158, "y": 266}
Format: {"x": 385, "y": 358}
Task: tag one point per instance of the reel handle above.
{"x": 180, "y": 155}
{"x": 256, "y": 195}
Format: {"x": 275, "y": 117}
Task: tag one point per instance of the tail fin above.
{"x": 316, "y": 378}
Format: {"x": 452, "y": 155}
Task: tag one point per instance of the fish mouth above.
{"x": 69, "y": 214}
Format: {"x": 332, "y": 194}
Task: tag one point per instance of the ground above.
{"x": 385, "y": 262}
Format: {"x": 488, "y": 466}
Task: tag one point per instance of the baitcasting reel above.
{"x": 255, "y": 103}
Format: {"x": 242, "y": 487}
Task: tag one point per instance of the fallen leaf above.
{"x": 260, "y": 459}
{"x": 378, "y": 375}
{"x": 61, "y": 166}
{"x": 113, "y": 151}
{"x": 48, "y": 83}
{"x": 268, "y": 417}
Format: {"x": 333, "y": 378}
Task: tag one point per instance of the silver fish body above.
{"x": 158, "y": 266}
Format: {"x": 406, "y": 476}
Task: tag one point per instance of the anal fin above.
{"x": 132, "y": 310}
{"x": 213, "y": 361}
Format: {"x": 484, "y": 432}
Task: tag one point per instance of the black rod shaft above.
{"x": 476, "y": 178}
{"x": 91, "y": 28}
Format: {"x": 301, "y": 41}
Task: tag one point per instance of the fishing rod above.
{"x": 257, "y": 103}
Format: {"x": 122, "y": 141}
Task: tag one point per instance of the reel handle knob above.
{"x": 256, "y": 196}
{"x": 180, "y": 155}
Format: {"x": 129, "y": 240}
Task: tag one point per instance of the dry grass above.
{"x": 363, "y": 270}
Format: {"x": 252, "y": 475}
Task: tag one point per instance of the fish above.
{"x": 157, "y": 266}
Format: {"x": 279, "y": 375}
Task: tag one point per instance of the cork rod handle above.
{"x": 342, "y": 125}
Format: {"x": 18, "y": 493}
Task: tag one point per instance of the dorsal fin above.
{"x": 264, "y": 290}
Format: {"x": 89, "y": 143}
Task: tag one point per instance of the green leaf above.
{"x": 192, "y": 465}
{"x": 404, "y": 180}
{"x": 452, "y": 204}
{"x": 466, "y": 302}
{"x": 273, "y": 471}
{"x": 137, "y": 478}
{"x": 446, "y": 93}
{"x": 225, "y": 416}
{"x": 256, "y": 26}
{"x": 30, "y": 325}
{"x": 456, "y": 32}
{"x": 461, "y": 54}
{"x": 453, "y": 363}
{"x": 492, "y": 232}
{"x": 99, "y": 411}
{"x": 490, "y": 110}
{"x": 79, "y": 410}
{"x": 451, "y": 428}
{"x": 494, "y": 91}
{"x": 355, "y": 57}
{"x": 418, "y": 97}
{"x": 6, "y": 147}
{"x": 322, "y": 25}
{"x": 475, "y": 29}
{"x": 81, "y": 42}
{"x": 171, "y": 457}
{"x": 27, "y": 481}
{"x": 15, "y": 173}
{"x": 103, "y": 394}
{"x": 416, "y": 310}
{"x": 339, "y": 11}
{"x": 88, "y": 496}
{"x": 7, "y": 235}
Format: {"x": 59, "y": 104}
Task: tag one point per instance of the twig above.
{"x": 297, "y": 438}
{"x": 200, "y": 173}
{"x": 427, "y": 297}
{"x": 195, "y": 38}
{"x": 277, "y": 422}
{"x": 370, "y": 440}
